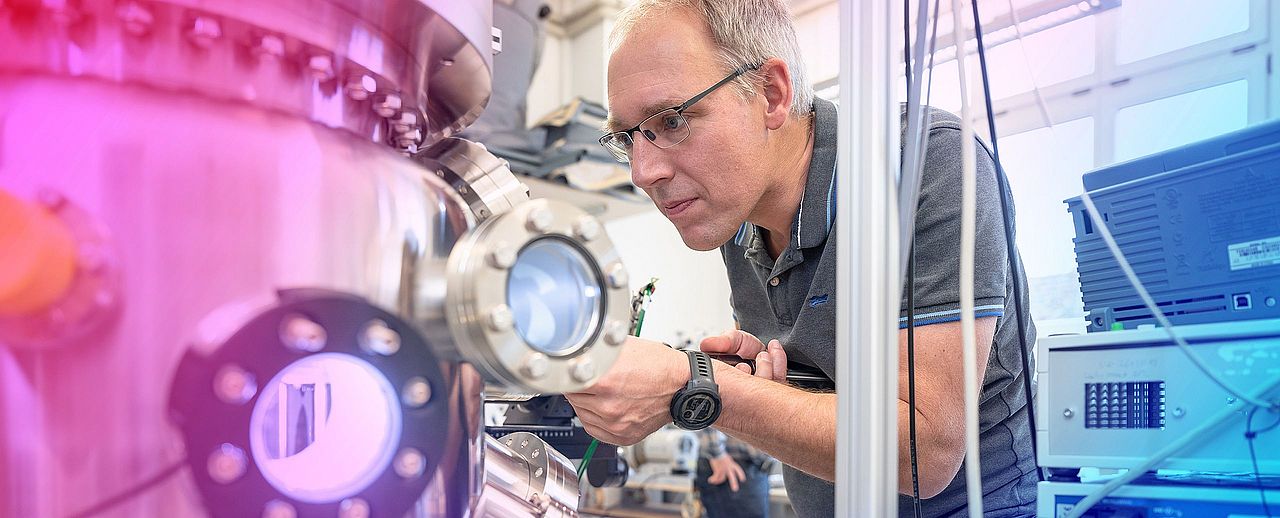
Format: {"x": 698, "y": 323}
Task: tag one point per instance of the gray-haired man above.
{"x": 709, "y": 104}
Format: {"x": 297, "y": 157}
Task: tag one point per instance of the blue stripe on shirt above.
{"x": 953, "y": 318}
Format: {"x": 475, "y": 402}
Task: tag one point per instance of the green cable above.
{"x": 643, "y": 297}
{"x": 586, "y": 458}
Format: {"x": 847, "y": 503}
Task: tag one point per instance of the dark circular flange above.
{"x": 208, "y": 422}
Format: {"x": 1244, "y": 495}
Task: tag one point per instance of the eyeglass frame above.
{"x": 678, "y": 109}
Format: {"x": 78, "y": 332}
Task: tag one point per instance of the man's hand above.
{"x": 633, "y": 399}
{"x": 724, "y": 467}
{"x": 771, "y": 361}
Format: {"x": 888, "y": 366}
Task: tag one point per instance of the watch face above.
{"x": 698, "y": 410}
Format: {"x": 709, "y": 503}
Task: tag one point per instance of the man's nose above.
{"x": 649, "y": 163}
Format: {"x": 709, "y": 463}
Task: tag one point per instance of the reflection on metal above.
{"x": 488, "y": 297}
{"x": 526, "y": 477}
{"x": 350, "y": 64}
{"x": 481, "y": 178}
{"x": 235, "y": 254}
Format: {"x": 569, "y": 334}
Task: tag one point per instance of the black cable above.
{"x": 1008, "y": 239}
{"x": 132, "y": 492}
{"x": 1250, "y": 434}
{"x": 911, "y": 377}
{"x": 911, "y": 306}
{"x": 911, "y": 274}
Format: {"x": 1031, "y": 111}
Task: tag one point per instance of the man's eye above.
{"x": 672, "y": 122}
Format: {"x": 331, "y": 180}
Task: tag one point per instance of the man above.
{"x": 748, "y": 166}
{"x": 732, "y": 477}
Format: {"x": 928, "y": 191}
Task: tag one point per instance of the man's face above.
{"x": 708, "y": 184}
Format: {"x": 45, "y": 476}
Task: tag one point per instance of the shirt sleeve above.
{"x": 937, "y": 235}
{"x": 711, "y": 443}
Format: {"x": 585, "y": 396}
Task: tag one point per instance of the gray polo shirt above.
{"x": 792, "y": 299}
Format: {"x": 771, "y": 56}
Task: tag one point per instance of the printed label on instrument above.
{"x": 1263, "y": 252}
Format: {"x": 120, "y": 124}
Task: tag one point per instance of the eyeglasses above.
{"x": 665, "y": 128}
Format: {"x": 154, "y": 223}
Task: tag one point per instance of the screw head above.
{"x": 1067, "y": 413}
{"x": 204, "y": 31}
{"x": 538, "y": 220}
{"x": 51, "y": 199}
{"x": 360, "y": 87}
{"x": 409, "y": 463}
{"x": 1179, "y": 412}
{"x": 502, "y": 257}
{"x": 387, "y": 105}
{"x": 226, "y": 464}
{"x": 301, "y": 334}
{"x": 406, "y": 122}
{"x": 234, "y": 385}
{"x": 409, "y": 138}
{"x": 378, "y": 338}
{"x": 583, "y": 370}
{"x": 535, "y": 366}
{"x": 617, "y": 276}
{"x": 616, "y": 333}
{"x": 353, "y": 508}
{"x": 104, "y": 299}
{"x": 500, "y": 318}
{"x": 416, "y": 392}
{"x": 136, "y": 19}
{"x": 1231, "y": 400}
{"x": 269, "y": 46}
{"x": 321, "y": 67}
{"x": 91, "y": 259}
{"x": 586, "y": 228}
{"x": 278, "y": 509}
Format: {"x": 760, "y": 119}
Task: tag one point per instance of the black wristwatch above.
{"x": 697, "y": 405}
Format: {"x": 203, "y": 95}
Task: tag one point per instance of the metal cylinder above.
{"x": 524, "y": 477}
{"x": 192, "y": 206}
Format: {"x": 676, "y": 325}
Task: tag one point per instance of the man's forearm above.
{"x": 796, "y": 427}
{"x": 799, "y": 429}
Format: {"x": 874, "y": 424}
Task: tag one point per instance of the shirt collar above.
{"x": 818, "y": 206}
{"x": 817, "y": 209}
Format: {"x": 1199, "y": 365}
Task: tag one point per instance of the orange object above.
{"x": 37, "y": 257}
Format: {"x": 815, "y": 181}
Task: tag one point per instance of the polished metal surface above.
{"x": 479, "y": 309}
{"x": 482, "y": 179}
{"x": 228, "y": 205}
{"x": 400, "y": 72}
{"x": 525, "y": 477}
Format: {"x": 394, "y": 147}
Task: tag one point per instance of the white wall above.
{"x": 692, "y": 296}
{"x": 818, "y": 33}
{"x": 549, "y": 87}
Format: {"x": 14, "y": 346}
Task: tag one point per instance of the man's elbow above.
{"x": 939, "y": 462}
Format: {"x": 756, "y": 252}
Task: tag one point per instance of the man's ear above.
{"x": 777, "y": 92}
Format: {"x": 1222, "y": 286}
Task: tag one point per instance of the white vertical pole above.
{"x": 868, "y": 280}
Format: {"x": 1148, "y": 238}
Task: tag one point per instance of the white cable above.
{"x": 1154, "y": 461}
{"x": 1031, "y": 73}
{"x": 968, "y": 240}
{"x": 1101, "y": 226}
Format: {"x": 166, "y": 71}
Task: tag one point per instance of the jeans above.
{"x": 720, "y": 501}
